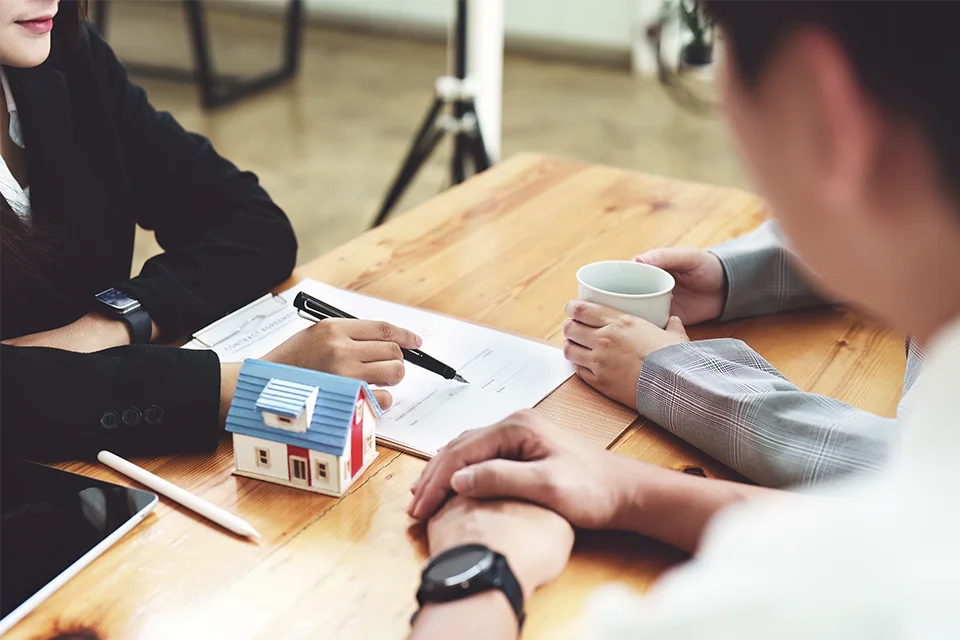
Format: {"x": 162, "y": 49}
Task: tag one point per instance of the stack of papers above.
{"x": 506, "y": 373}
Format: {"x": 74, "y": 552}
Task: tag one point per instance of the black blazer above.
{"x": 101, "y": 161}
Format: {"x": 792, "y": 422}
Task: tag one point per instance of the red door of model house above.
{"x": 298, "y": 465}
{"x": 356, "y": 438}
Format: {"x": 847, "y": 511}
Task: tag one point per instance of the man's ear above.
{"x": 848, "y": 131}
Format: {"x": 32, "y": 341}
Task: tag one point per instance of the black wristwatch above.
{"x": 124, "y": 307}
{"x": 467, "y": 570}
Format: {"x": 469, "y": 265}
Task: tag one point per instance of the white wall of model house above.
{"x": 246, "y": 449}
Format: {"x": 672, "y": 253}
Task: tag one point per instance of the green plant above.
{"x": 696, "y": 21}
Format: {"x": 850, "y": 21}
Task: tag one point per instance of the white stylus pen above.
{"x": 198, "y": 505}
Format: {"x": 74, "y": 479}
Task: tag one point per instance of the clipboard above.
{"x": 245, "y": 319}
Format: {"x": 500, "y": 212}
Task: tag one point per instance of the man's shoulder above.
{"x": 772, "y": 568}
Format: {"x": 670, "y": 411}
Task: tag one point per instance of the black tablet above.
{"x": 53, "y": 524}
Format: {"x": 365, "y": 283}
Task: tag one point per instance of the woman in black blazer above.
{"x": 98, "y": 160}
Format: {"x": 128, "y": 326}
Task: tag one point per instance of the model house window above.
{"x": 263, "y": 458}
{"x": 321, "y": 470}
{"x": 369, "y": 444}
{"x": 284, "y": 419}
{"x": 298, "y": 467}
{"x": 346, "y": 469}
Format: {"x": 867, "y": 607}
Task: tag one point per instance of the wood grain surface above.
{"x": 501, "y": 249}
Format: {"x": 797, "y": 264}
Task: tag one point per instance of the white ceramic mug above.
{"x": 639, "y": 289}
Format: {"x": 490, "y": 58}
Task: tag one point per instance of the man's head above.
{"x": 847, "y": 115}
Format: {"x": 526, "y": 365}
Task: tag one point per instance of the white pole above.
{"x": 644, "y": 60}
{"x": 485, "y": 67}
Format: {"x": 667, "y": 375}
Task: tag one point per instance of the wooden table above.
{"x": 501, "y": 249}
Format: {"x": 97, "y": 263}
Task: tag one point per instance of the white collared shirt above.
{"x": 18, "y": 197}
{"x": 873, "y": 558}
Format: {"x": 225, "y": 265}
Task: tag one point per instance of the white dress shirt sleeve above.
{"x": 803, "y": 567}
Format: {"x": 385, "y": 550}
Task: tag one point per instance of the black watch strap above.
{"x": 499, "y": 576}
{"x": 507, "y": 582}
{"x": 140, "y": 324}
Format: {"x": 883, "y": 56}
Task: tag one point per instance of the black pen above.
{"x": 313, "y": 309}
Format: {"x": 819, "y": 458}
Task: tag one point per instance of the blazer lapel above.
{"x": 43, "y": 103}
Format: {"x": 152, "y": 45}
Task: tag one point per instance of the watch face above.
{"x": 458, "y": 565}
{"x": 118, "y": 300}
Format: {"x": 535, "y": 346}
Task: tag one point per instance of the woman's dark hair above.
{"x": 69, "y": 21}
{"x": 25, "y": 249}
{"x": 906, "y": 56}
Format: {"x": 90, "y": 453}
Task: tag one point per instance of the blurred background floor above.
{"x": 326, "y": 146}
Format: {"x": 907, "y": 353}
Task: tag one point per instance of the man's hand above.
{"x": 362, "y": 349}
{"x": 92, "y": 332}
{"x": 609, "y": 347}
{"x": 535, "y": 541}
{"x": 526, "y": 457}
{"x": 701, "y": 286}
{"x": 529, "y": 458}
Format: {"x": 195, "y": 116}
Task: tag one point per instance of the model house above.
{"x": 302, "y": 428}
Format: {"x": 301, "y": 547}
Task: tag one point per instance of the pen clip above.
{"x": 312, "y": 316}
{"x": 310, "y": 304}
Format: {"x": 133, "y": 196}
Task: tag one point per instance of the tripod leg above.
{"x": 458, "y": 172}
{"x": 481, "y": 159}
{"x": 201, "y": 51}
{"x": 408, "y": 172}
{"x": 293, "y": 38}
{"x": 479, "y": 154}
{"x": 460, "y": 106}
{"x": 427, "y": 138}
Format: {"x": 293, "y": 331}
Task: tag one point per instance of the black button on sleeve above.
{"x": 131, "y": 416}
{"x": 110, "y": 420}
{"x": 153, "y": 415}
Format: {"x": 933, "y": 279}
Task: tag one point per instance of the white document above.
{"x": 506, "y": 373}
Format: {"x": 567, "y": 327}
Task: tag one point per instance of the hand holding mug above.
{"x": 609, "y": 347}
{"x": 700, "y": 292}
{"x": 622, "y": 316}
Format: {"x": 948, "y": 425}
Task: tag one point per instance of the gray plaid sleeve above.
{"x": 762, "y": 276}
{"x": 726, "y": 400}
{"x": 915, "y": 358}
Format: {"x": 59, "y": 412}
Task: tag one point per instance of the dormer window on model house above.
{"x": 302, "y": 428}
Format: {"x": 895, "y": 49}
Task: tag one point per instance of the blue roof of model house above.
{"x": 284, "y": 398}
{"x": 284, "y": 390}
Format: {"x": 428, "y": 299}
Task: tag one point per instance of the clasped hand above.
{"x": 523, "y": 458}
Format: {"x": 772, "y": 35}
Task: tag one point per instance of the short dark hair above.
{"x": 906, "y": 56}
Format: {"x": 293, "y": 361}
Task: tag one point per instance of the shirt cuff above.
{"x": 741, "y": 301}
{"x": 657, "y": 386}
{"x": 175, "y": 310}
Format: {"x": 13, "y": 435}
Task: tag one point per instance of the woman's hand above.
{"x": 363, "y": 349}
{"x": 366, "y": 350}
{"x": 529, "y": 458}
{"x": 609, "y": 346}
{"x": 700, "y": 293}
{"x": 535, "y": 541}
{"x": 92, "y": 332}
